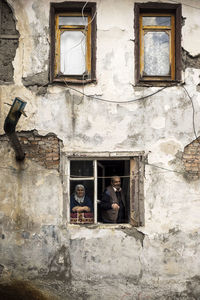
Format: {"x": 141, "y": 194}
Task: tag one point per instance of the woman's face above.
{"x": 80, "y": 192}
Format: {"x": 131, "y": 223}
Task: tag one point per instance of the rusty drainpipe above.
{"x": 10, "y": 123}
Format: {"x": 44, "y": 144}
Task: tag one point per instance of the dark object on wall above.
{"x": 10, "y": 123}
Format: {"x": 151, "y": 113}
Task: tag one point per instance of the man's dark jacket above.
{"x": 109, "y": 215}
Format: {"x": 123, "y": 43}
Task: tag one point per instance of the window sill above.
{"x": 157, "y": 83}
{"x": 74, "y": 81}
{"x": 101, "y": 226}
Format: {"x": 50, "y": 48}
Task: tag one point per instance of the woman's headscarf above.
{"x": 79, "y": 199}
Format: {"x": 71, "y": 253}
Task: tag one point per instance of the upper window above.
{"x": 158, "y": 47}
{"x": 73, "y": 42}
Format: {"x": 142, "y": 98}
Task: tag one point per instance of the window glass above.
{"x": 72, "y": 53}
{"x": 106, "y": 169}
{"x": 73, "y": 20}
{"x": 156, "y": 21}
{"x": 84, "y": 202}
{"x": 81, "y": 168}
{"x": 156, "y": 54}
{"x": 89, "y": 187}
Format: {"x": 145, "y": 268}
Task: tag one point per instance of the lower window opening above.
{"x": 104, "y": 191}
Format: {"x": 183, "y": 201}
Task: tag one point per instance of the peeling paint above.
{"x": 190, "y": 61}
{"x": 157, "y": 261}
{"x": 36, "y": 79}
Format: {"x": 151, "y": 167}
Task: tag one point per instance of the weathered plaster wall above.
{"x": 7, "y": 46}
{"x": 157, "y": 261}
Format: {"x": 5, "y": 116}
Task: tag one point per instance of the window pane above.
{"x": 81, "y": 168}
{"x": 107, "y": 169}
{"x": 83, "y": 216}
{"x": 156, "y": 54}
{"x": 73, "y": 21}
{"x": 72, "y": 53}
{"x": 156, "y": 21}
{"x": 89, "y": 187}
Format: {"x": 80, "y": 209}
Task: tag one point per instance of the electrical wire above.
{"x": 113, "y": 101}
{"x": 162, "y": 168}
{"x": 100, "y": 177}
{"x": 82, "y": 177}
{"x": 82, "y": 12}
{"x": 185, "y": 4}
{"x": 85, "y": 30}
{"x": 141, "y": 98}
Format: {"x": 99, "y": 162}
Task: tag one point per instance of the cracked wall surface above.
{"x": 157, "y": 261}
{"x": 8, "y": 46}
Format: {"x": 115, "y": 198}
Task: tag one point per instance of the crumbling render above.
{"x": 9, "y": 37}
{"x": 37, "y": 83}
{"x": 44, "y": 150}
{"x": 189, "y": 61}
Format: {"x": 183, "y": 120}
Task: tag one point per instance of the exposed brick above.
{"x": 56, "y": 158}
{"x": 49, "y": 158}
{"x": 49, "y": 154}
{"x": 47, "y": 150}
{"x": 37, "y": 138}
{"x": 23, "y": 138}
{"x": 52, "y": 165}
{"x": 191, "y": 160}
{"x": 44, "y": 150}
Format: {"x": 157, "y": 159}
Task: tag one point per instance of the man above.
{"x": 113, "y": 202}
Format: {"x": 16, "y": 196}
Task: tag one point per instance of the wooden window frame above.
{"x": 73, "y": 9}
{"x": 136, "y": 216}
{"x": 158, "y": 9}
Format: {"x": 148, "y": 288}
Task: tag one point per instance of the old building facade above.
{"x": 112, "y": 88}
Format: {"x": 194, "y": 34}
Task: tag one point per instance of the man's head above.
{"x": 116, "y": 182}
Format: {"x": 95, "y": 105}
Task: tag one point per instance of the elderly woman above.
{"x": 79, "y": 202}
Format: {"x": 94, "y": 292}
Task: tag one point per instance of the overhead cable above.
{"x": 185, "y": 4}
{"x": 113, "y": 101}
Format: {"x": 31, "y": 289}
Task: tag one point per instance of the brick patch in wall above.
{"x": 44, "y": 150}
{"x": 191, "y": 159}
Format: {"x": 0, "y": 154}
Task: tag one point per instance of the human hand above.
{"x": 75, "y": 208}
{"x": 80, "y": 208}
{"x": 86, "y": 208}
{"x": 115, "y": 206}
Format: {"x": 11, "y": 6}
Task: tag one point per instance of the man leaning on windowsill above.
{"x": 113, "y": 202}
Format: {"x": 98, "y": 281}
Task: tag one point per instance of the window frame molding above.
{"x": 155, "y": 7}
{"x": 72, "y": 7}
{"x": 137, "y": 169}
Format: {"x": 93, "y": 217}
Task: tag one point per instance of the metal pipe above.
{"x": 20, "y": 155}
{"x": 10, "y": 123}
